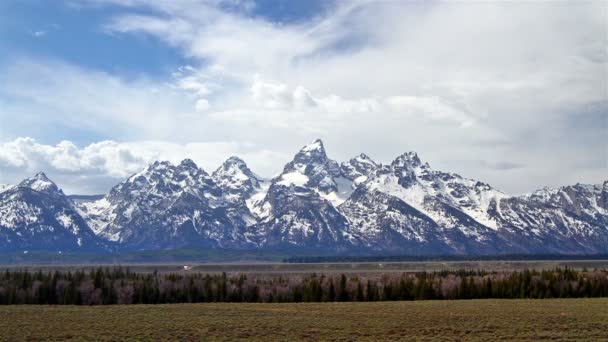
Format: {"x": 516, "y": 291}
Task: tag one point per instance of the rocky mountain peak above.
{"x": 410, "y": 169}
{"x": 359, "y": 168}
{"x": 41, "y": 183}
{"x": 235, "y": 176}
{"x": 232, "y": 163}
{"x": 160, "y": 165}
{"x": 311, "y": 168}
{"x": 408, "y": 159}
{"x": 311, "y": 153}
{"x": 316, "y": 145}
{"x": 188, "y": 164}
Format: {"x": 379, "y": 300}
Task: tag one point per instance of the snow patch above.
{"x": 255, "y": 201}
{"x": 314, "y": 146}
{"x": 4, "y": 187}
{"x": 293, "y": 178}
{"x": 345, "y": 189}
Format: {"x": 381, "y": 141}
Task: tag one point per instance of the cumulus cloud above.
{"x": 275, "y": 96}
{"x": 95, "y": 167}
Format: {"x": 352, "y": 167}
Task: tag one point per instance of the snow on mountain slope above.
{"x": 570, "y": 219}
{"x": 472, "y": 217}
{"x": 168, "y": 206}
{"x": 358, "y": 168}
{"x": 236, "y": 179}
{"x": 255, "y": 203}
{"x": 314, "y": 203}
{"x": 424, "y": 189}
{"x": 99, "y": 215}
{"x": 4, "y": 187}
{"x": 299, "y": 207}
{"x": 36, "y": 215}
{"x": 41, "y": 183}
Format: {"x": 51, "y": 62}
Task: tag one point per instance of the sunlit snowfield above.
{"x": 487, "y": 320}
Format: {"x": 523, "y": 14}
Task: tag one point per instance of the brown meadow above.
{"x": 488, "y": 319}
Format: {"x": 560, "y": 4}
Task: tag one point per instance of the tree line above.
{"x": 102, "y": 286}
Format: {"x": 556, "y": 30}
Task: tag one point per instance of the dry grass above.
{"x": 488, "y": 320}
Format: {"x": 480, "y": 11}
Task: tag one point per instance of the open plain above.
{"x": 487, "y": 320}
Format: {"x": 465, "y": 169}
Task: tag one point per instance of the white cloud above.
{"x": 434, "y": 108}
{"x": 202, "y": 105}
{"x": 95, "y": 167}
{"x": 52, "y": 93}
{"x": 192, "y": 84}
{"x": 491, "y": 82}
{"x": 271, "y": 95}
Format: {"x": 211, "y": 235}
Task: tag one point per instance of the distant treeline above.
{"x": 120, "y": 286}
{"x": 402, "y": 258}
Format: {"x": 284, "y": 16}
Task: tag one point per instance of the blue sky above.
{"x": 72, "y": 31}
{"x": 93, "y": 90}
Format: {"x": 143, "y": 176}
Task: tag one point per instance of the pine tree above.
{"x": 343, "y": 295}
{"x": 359, "y": 294}
{"x": 370, "y": 292}
{"x": 332, "y": 291}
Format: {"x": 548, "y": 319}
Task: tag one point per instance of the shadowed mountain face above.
{"x": 316, "y": 203}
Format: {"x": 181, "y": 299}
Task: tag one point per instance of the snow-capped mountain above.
{"x": 236, "y": 179}
{"x": 437, "y": 211}
{"x": 359, "y": 168}
{"x": 168, "y": 206}
{"x": 568, "y": 219}
{"x": 471, "y": 217}
{"x": 300, "y": 207}
{"x": 36, "y": 215}
{"x": 315, "y": 203}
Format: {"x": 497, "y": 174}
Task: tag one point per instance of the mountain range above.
{"x": 314, "y": 204}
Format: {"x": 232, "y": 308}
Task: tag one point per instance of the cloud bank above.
{"x": 98, "y": 166}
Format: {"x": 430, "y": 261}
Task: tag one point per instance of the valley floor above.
{"x": 563, "y": 319}
{"x": 321, "y": 267}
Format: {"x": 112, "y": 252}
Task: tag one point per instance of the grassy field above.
{"x": 334, "y": 267}
{"x": 565, "y": 319}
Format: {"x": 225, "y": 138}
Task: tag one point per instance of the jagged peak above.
{"x": 41, "y": 176}
{"x": 159, "y": 164}
{"x": 408, "y": 159}
{"x": 311, "y": 153}
{"x": 234, "y": 174}
{"x": 233, "y": 165}
{"x": 40, "y": 182}
{"x": 316, "y": 145}
{"x": 359, "y": 168}
{"x": 364, "y": 158}
{"x": 166, "y": 170}
{"x": 188, "y": 163}
{"x": 234, "y": 160}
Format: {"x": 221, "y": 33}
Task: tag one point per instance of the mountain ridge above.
{"x": 355, "y": 206}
